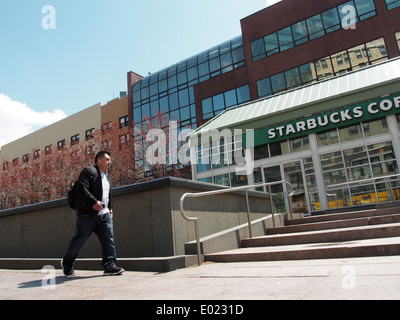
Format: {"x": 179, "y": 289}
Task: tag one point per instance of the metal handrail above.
{"x": 231, "y": 190}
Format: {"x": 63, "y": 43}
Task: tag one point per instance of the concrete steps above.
{"x": 350, "y": 234}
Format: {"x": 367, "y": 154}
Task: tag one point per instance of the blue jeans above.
{"x": 102, "y": 226}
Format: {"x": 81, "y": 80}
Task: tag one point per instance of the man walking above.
{"x": 95, "y": 214}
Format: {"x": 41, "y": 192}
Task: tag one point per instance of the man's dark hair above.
{"x": 101, "y": 154}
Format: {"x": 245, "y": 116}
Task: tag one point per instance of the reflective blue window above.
{"x": 315, "y": 27}
{"x": 173, "y": 101}
{"x": 215, "y": 65}
{"x": 154, "y": 108}
{"x": 272, "y": 44}
{"x": 300, "y": 33}
{"x": 285, "y": 39}
{"x": 264, "y": 88}
{"x": 193, "y": 73}
{"x": 218, "y": 102}
{"x": 137, "y": 115}
{"x": 163, "y": 85}
{"x": 278, "y": 83}
{"x": 182, "y": 77}
{"x": 238, "y": 56}
{"x": 391, "y": 4}
{"x": 226, "y": 60}
{"x": 365, "y": 9}
{"x": 164, "y": 105}
{"x": 145, "y": 111}
{"x": 243, "y": 94}
{"x": 230, "y": 98}
{"x": 346, "y": 11}
{"x": 306, "y": 73}
{"x": 331, "y": 20}
{"x": 172, "y": 83}
{"x": 184, "y": 98}
{"x": 258, "y": 49}
{"x": 184, "y": 114}
{"x": 293, "y": 78}
{"x": 207, "y": 106}
{"x": 215, "y": 105}
{"x": 203, "y": 69}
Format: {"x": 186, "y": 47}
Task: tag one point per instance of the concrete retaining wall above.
{"x": 147, "y": 221}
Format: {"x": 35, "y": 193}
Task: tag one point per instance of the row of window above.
{"x": 215, "y": 105}
{"x": 312, "y": 28}
{"x": 171, "y": 91}
{"x": 339, "y": 63}
{"x": 89, "y": 134}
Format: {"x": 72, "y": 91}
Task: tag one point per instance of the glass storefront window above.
{"x": 398, "y": 121}
{"x": 375, "y": 127}
{"x": 359, "y": 173}
{"x": 279, "y": 148}
{"x": 297, "y": 145}
{"x": 381, "y": 152}
{"x": 360, "y": 164}
{"x": 206, "y": 180}
{"x": 356, "y": 157}
{"x": 223, "y": 180}
{"x": 397, "y": 35}
{"x": 332, "y": 161}
{"x": 328, "y": 138}
{"x": 238, "y": 180}
{"x": 350, "y": 133}
{"x": 261, "y": 152}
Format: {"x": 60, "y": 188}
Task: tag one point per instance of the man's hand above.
{"x": 98, "y": 206}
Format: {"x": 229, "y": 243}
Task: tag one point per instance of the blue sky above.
{"x": 85, "y": 59}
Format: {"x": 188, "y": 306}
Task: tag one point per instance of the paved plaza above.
{"x": 340, "y": 279}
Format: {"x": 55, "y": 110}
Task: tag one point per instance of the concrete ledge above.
{"x": 147, "y": 221}
{"x": 164, "y": 264}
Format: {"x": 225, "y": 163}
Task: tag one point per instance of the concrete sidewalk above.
{"x": 356, "y": 278}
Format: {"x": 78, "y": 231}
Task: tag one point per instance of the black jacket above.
{"x": 90, "y": 190}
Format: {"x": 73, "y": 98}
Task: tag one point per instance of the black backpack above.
{"x": 73, "y": 197}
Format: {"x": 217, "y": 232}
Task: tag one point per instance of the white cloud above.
{"x": 17, "y": 119}
{"x": 272, "y": 2}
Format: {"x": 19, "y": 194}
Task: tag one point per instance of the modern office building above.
{"x": 318, "y": 83}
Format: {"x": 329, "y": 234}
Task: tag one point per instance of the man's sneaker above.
{"x": 68, "y": 271}
{"x": 114, "y": 271}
